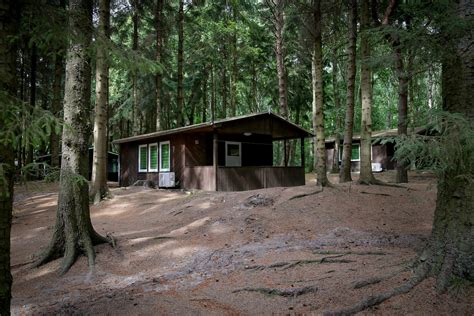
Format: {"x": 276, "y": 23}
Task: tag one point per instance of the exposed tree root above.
{"x": 289, "y": 292}
{"x": 288, "y": 265}
{"x": 374, "y": 193}
{"x": 356, "y": 253}
{"x": 373, "y": 300}
{"x": 380, "y": 183}
{"x": 304, "y": 195}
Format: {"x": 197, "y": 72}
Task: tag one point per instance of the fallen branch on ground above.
{"x": 290, "y": 292}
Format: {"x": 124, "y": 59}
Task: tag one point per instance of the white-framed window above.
{"x": 165, "y": 156}
{"x": 355, "y": 154}
{"x": 142, "y": 158}
{"x": 153, "y": 157}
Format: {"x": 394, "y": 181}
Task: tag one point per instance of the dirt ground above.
{"x": 256, "y": 252}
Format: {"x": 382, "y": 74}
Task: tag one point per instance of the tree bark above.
{"x": 279, "y": 21}
{"x": 366, "y": 175}
{"x": 158, "y": 79}
{"x": 403, "y": 77}
{"x": 180, "y": 95}
{"x": 337, "y": 105}
{"x": 450, "y": 249}
{"x": 233, "y": 87}
{"x": 136, "y": 117}
{"x": 33, "y": 62}
{"x": 345, "y": 172}
{"x": 9, "y": 21}
{"x": 318, "y": 106}
{"x": 99, "y": 187}
{"x": 73, "y": 233}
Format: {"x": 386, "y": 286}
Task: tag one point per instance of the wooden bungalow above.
{"x": 232, "y": 154}
{"x": 382, "y": 153}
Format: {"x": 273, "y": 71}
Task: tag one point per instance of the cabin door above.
{"x": 233, "y": 154}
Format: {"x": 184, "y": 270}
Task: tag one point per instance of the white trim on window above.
{"x": 140, "y": 169}
{"x": 150, "y": 146}
{"x": 169, "y": 157}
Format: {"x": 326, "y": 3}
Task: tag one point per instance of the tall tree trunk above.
{"x": 56, "y": 107}
{"x": 9, "y": 19}
{"x": 213, "y": 95}
{"x": 233, "y": 88}
{"x": 224, "y": 83}
{"x": 158, "y": 79}
{"x": 450, "y": 250}
{"x": 73, "y": 233}
{"x": 33, "y": 63}
{"x": 318, "y": 107}
{"x": 366, "y": 175}
{"x": 99, "y": 187}
{"x": 180, "y": 95}
{"x": 337, "y": 106}
{"x": 204, "y": 98}
{"x": 402, "y": 173}
{"x": 279, "y": 21}
{"x": 136, "y": 115}
{"x": 345, "y": 173}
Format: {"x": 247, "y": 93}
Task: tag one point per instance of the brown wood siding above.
{"x": 201, "y": 178}
{"x": 129, "y": 160}
{"x": 251, "y": 178}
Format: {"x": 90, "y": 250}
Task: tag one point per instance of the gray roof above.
{"x": 383, "y": 133}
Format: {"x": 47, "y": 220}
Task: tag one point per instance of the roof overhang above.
{"x": 258, "y": 123}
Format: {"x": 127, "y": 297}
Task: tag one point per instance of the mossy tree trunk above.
{"x": 450, "y": 251}
{"x": 318, "y": 107}
{"x": 345, "y": 172}
{"x": 99, "y": 187}
{"x": 73, "y": 233}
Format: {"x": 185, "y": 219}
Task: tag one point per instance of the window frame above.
{"x": 150, "y": 169}
{"x": 353, "y": 144}
{"x": 160, "y": 162}
{"x": 140, "y": 169}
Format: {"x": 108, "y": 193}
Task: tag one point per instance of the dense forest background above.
{"x": 174, "y": 63}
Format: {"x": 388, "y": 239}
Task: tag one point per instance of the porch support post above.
{"x": 215, "y": 158}
{"x": 302, "y": 152}
{"x": 285, "y": 151}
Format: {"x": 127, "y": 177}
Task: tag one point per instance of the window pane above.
{"x": 355, "y": 152}
{"x": 153, "y": 157}
{"x": 233, "y": 150}
{"x": 142, "y": 158}
{"x": 165, "y": 156}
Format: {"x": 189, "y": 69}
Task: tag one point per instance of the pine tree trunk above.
{"x": 345, "y": 173}
{"x": 280, "y": 58}
{"x": 402, "y": 173}
{"x": 451, "y": 247}
{"x": 366, "y": 175}
{"x": 233, "y": 88}
{"x": 56, "y": 108}
{"x": 33, "y": 62}
{"x": 337, "y": 105}
{"x": 9, "y": 22}
{"x": 318, "y": 107}
{"x": 158, "y": 79}
{"x": 136, "y": 117}
{"x": 99, "y": 166}
{"x": 224, "y": 83}
{"x": 73, "y": 233}
{"x": 180, "y": 95}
